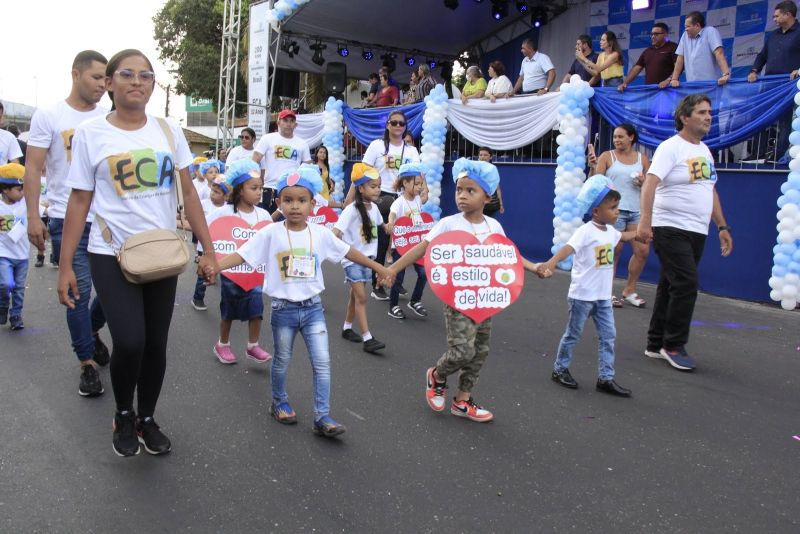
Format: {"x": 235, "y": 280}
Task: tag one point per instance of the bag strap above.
{"x": 175, "y": 176}
{"x": 105, "y": 231}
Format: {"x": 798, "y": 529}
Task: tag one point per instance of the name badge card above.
{"x": 477, "y": 279}
{"x": 228, "y": 234}
{"x": 301, "y": 267}
{"x": 406, "y": 233}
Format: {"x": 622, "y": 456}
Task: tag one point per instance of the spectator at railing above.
{"x": 374, "y": 89}
{"x": 499, "y": 84}
{"x": 412, "y": 88}
{"x": 384, "y": 71}
{"x": 657, "y": 61}
{"x": 700, "y": 52}
{"x": 389, "y": 95}
{"x": 780, "y": 55}
{"x": 475, "y": 86}
{"x": 537, "y": 73}
{"x": 584, "y": 42}
{"x": 610, "y": 61}
{"x": 426, "y": 83}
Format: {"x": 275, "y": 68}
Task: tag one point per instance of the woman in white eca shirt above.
{"x": 499, "y": 85}
{"x": 244, "y": 151}
{"x": 122, "y": 166}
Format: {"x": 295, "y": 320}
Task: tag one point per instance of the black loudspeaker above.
{"x": 287, "y": 83}
{"x": 335, "y": 77}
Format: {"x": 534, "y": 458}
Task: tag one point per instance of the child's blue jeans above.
{"x": 288, "y": 318}
{"x": 603, "y": 315}
{"x": 12, "y": 284}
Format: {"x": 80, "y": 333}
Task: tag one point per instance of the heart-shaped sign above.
{"x": 477, "y": 279}
{"x": 228, "y": 234}
{"x": 324, "y": 216}
{"x": 406, "y": 234}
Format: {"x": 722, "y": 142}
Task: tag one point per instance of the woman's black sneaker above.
{"x": 373, "y": 345}
{"x": 90, "y": 385}
{"x": 124, "y": 440}
{"x": 149, "y": 434}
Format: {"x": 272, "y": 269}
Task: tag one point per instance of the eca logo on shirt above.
{"x": 7, "y": 222}
{"x": 392, "y": 163}
{"x": 67, "y": 136}
{"x": 286, "y": 152}
{"x": 603, "y": 256}
{"x": 140, "y": 170}
{"x": 701, "y": 170}
{"x": 373, "y": 234}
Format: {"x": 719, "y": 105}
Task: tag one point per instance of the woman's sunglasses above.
{"x": 397, "y": 123}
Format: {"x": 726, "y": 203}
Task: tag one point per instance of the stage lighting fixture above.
{"x": 367, "y": 54}
{"x": 538, "y": 17}
{"x": 317, "y": 57}
{"x": 291, "y": 48}
{"x": 431, "y": 63}
{"x": 499, "y": 9}
{"x": 410, "y": 61}
{"x": 451, "y": 4}
{"x": 522, "y": 7}
{"x": 343, "y": 51}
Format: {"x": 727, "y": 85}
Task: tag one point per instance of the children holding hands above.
{"x": 291, "y": 252}
{"x": 592, "y": 276}
{"x": 468, "y": 341}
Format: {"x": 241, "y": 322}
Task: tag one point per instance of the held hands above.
{"x": 208, "y": 268}
{"x": 544, "y": 270}
{"x": 66, "y": 283}
{"x": 385, "y": 277}
{"x": 644, "y": 233}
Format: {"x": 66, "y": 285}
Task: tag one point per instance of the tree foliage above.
{"x": 189, "y": 36}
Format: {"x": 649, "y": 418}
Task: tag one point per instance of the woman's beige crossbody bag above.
{"x": 154, "y": 254}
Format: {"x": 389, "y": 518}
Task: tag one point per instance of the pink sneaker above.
{"x": 258, "y": 354}
{"x": 224, "y": 354}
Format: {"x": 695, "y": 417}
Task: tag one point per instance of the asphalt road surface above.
{"x": 709, "y": 451}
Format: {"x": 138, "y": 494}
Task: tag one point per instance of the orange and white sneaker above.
{"x": 471, "y": 411}
{"x": 434, "y": 391}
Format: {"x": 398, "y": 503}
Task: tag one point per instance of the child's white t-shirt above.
{"x": 203, "y": 191}
{"x": 270, "y": 247}
{"x": 14, "y": 242}
{"x": 349, "y": 224}
{"x": 9, "y": 147}
{"x": 53, "y": 128}
{"x": 214, "y": 213}
{"x": 130, "y": 173}
{"x": 593, "y": 264}
{"x": 388, "y": 163}
{"x": 459, "y": 222}
{"x": 402, "y": 206}
{"x": 280, "y": 154}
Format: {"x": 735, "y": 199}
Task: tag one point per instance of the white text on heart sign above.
{"x": 493, "y": 254}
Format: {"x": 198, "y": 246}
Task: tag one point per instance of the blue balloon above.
{"x": 794, "y": 267}
{"x": 781, "y": 259}
{"x": 794, "y": 138}
{"x": 779, "y": 271}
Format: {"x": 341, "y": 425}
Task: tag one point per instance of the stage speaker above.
{"x": 287, "y": 83}
{"x": 335, "y": 77}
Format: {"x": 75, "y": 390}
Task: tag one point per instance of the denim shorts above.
{"x": 625, "y": 218}
{"x": 236, "y": 304}
{"x": 357, "y": 273}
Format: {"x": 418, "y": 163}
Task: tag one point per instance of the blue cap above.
{"x": 411, "y": 169}
{"x": 484, "y": 173}
{"x": 306, "y": 175}
{"x": 242, "y": 170}
{"x": 204, "y": 166}
{"x": 593, "y": 191}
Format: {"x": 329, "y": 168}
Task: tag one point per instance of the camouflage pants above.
{"x": 468, "y": 348}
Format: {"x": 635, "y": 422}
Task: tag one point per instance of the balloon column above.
{"x": 282, "y": 10}
{"x": 571, "y": 161}
{"x": 333, "y": 139}
{"x": 785, "y": 280}
{"x": 434, "y": 129}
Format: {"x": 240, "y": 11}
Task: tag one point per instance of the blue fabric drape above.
{"x": 740, "y": 109}
{"x": 369, "y": 124}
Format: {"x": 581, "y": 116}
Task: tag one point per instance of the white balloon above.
{"x": 789, "y": 291}
{"x": 795, "y": 163}
{"x": 776, "y": 282}
{"x": 576, "y": 80}
{"x": 793, "y": 279}
{"x": 789, "y": 304}
{"x": 794, "y": 151}
{"x": 785, "y": 237}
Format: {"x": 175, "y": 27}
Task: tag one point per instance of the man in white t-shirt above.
{"x": 678, "y": 201}
{"x": 277, "y": 153}
{"x": 537, "y": 73}
{"x": 50, "y": 141}
{"x": 10, "y": 151}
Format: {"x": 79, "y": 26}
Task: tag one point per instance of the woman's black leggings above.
{"x": 138, "y": 318}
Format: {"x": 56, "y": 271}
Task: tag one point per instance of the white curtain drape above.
{"x": 507, "y": 123}
{"x": 309, "y": 128}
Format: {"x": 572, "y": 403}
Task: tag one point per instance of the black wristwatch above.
{"x": 724, "y": 229}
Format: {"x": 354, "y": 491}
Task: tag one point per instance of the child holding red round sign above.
{"x": 292, "y": 252}
{"x": 467, "y": 340}
{"x": 358, "y": 226}
{"x": 590, "y": 290}
{"x": 408, "y": 209}
{"x": 244, "y": 178}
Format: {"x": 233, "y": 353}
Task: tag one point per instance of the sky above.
{"x": 44, "y": 36}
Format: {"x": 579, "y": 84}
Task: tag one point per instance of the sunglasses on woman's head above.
{"x": 397, "y": 123}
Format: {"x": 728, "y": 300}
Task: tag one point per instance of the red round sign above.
{"x": 407, "y": 235}
{"x": 477, "y": 279}
{"x": 228, "y": 234}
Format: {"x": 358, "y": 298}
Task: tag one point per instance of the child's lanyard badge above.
{"x": 415, "y": 214}
{"x": 300, "y": 266}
